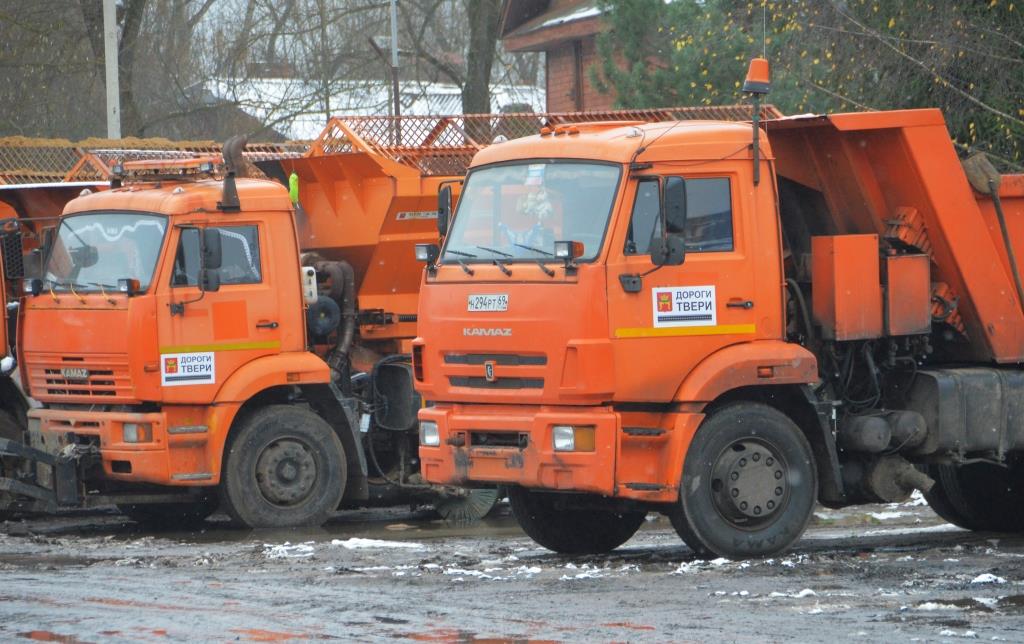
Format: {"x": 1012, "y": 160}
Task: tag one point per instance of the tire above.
{"x": 574, "y": 531}
{"x": 749, "y": 484}
{"x": 171, "y": 516}
{"x": 285, "y": 467}
{"x": 10, "y": 429}
{"x": 979, "y": 497}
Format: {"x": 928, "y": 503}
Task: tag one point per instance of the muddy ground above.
{"x": 877, "y": 573}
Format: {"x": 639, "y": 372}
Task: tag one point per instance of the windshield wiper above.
{"x": 496, "y": 252}
{"x": 504, "y": 269}
{"x": 465, "y": 267}
{"x": 458, "y": 252}
{"x": 536, "y": 250}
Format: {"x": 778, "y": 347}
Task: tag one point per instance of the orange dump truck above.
{"x": 636, "y": 317}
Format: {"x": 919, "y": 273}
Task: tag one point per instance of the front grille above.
{"x": 107, "y": 380}
{"x": 479, "y": 382}
{"x": 510, "y": 359}
{"x": 499, "y": 439}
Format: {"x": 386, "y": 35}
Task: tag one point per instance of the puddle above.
{"x": 47, "y": 636}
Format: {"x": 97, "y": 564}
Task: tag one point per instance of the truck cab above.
{"x": 165, "y": 338}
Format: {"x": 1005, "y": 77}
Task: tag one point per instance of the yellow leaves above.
{"x": 892, "y": 22}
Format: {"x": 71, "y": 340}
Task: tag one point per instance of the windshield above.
{"x": 517, "y": 211}
{"x": 92, "y": 252}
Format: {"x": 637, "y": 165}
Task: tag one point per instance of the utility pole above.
{"x": 110, "y": 61}
{"x": 394, "y": 71}
{"x": 394, "y": 58}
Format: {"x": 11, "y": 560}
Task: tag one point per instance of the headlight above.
{"x": 138, "y": 432}
{"x": 568, "y": 438}
{"x": 564, "y": 438}
{"x": 429, "y": 435}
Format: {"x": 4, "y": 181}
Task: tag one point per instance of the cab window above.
{"x": 240, "y": 251}
{"x": 708, "y": 223}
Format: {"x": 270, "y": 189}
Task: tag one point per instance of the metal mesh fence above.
{"x": 24, "y": 160}
{"x": 433, "y": 145}
{"x": 444, "y": 145}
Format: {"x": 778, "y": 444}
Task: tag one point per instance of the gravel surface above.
{"x": 874, "y": 573}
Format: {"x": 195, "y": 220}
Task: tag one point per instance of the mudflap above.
{"x": 26, "y": 493}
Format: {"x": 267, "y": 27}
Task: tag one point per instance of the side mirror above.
{"x": 668, "y": 251}
{"x": 212, "y": 256}
{"x": 209, "y": 280}
{"x": 444, "y": 209}
{"x": 673, "y": 201}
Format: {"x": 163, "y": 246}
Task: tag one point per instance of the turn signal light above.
{"x": 138, "y": 432}
{"x": 128, "y": 286}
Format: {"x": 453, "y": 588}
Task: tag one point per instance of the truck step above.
{"x": 645, "y": 487}
{"x": 643, "y": 431}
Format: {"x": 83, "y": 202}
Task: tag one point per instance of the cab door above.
{"x": 206, "y": 336}
{"x": 678, "y": 315}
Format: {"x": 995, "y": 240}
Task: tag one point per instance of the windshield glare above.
{"x": 92, "y": 252}
{"x": 517, "y": 211}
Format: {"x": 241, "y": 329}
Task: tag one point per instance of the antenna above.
{"x": 764, "y": 28}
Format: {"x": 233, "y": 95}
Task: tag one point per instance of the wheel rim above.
{"x": 286, "y": 471}
{"x": 750, "y": 483}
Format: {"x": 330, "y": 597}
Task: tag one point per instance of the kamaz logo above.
{"x": 482, "y": 331}
{"x": 75, "y": 373}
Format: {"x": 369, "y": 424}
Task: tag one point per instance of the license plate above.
{"x": 498, "y": 302}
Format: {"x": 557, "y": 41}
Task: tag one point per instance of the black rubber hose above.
{"x": 343, "y": 290}
{"x": 804, "y": 313}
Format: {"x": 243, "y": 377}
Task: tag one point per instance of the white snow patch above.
{"x": 929, "y": 606}
{"x": 883, "y": 516}
{"x": 721, "y": 561}
{"x": 942, "y": 527}
{"x": 356, "y": 543}
{"x": 288, "y": 551}
{"x": 806, "y": 592}
{"x": 916, "y": 500}
{"x": 988, "y": 578}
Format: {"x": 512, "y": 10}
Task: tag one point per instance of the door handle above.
{"x": 266, "y": 325}
{"x": 740, "y": 304}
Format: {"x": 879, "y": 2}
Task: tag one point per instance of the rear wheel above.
{"x": 571, "y": 530}
{"x": 979, "y": 496}
{"x": 748, "y": 486}
{"x": 285, "y": 467}
{"x": 169, "y": 516}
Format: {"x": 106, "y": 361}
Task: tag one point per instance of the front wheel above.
{"x": 285, "y": 467}
{"x": 569, "y": 530}
{"x": 748, "y": 486}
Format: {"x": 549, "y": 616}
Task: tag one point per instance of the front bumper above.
{"x": 175, "y": 454}
{"x": 533, "y": 461}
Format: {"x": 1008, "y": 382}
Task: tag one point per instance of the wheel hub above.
{"x": 749, "y": 483}
{"x": 286, "y": 471}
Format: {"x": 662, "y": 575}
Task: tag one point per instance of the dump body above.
{"x": 896, "y": 175}
{"x": 839, "y": 291}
